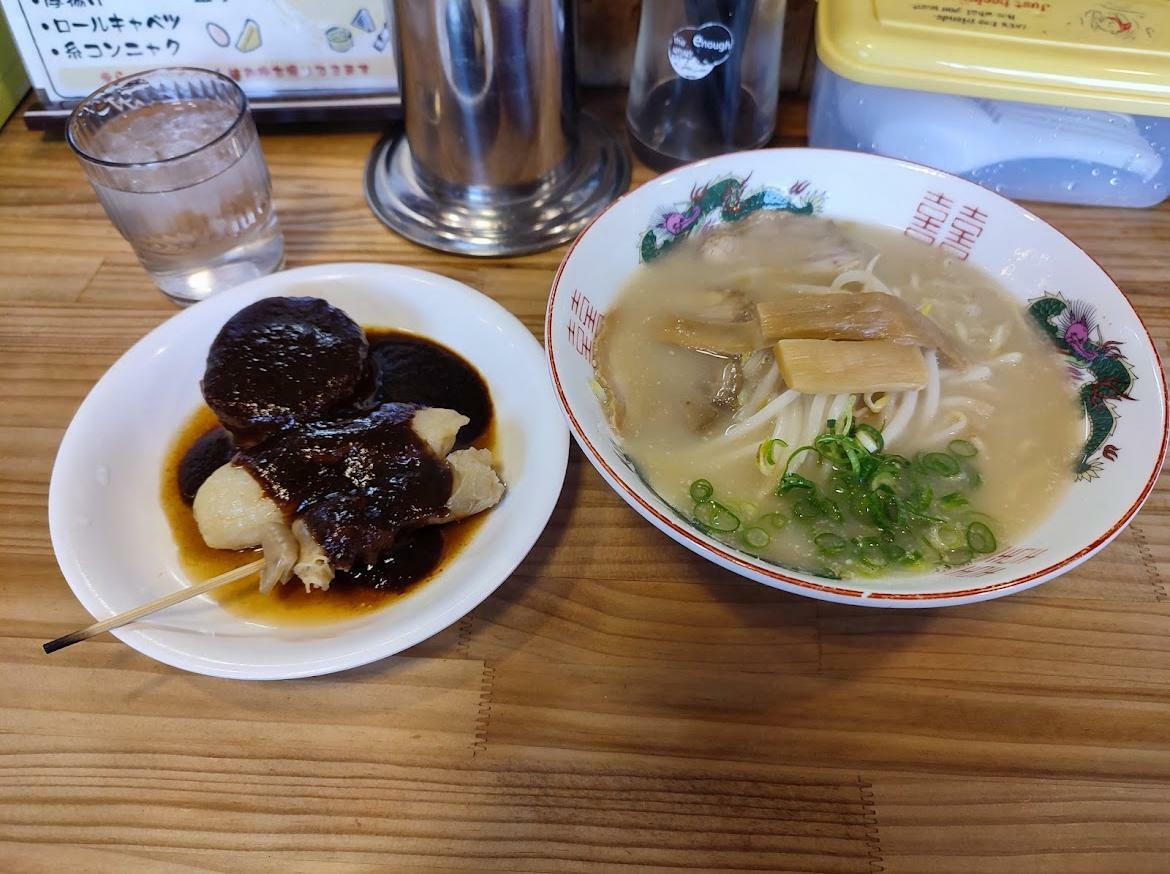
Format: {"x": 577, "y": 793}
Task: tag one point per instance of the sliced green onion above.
{"x": 910, "y": 557}
{"x": 893, "y": 551}
{"x": 834, "y": 449}
{"x": 775, "y": 521}
{"x": 921, "y": 498}
{"x": 925, "y": 517}
{"x": 869, "y": 437}
{"x": 743, "y": 509}
{"x": 975, "y": 516}
{"x": 958, "y": 557}
{"x": 791, "y": 481}
{"x": 962, "y": 448}
{"x": 980, "y": 538}
{"x": 871, "y": 466}
{"x": 701, "y": 490}
{"x": 953, "y": 501}
{"x": 806, "y": 508}
{"x": 895, "y": 516}
{"x": 795, "y": 453}
{"x": 862, "y": 507}
{"x": 766, "y": 454}
{"x": 949, "y": 536}
{"x": 889, "y": 510}
{"x": 847, "y": 416}
{"x": 756, "y": 538}
{"x": 713, "y": 515}
{"x": 854, "y": 453}
{"x": 872, "y": 558}
{"x": 829, "y": 509}
{"x": 930, "y": 546}
{"x": 830, "y": 543}
{"x": 871, "y": 552}
{"x": 940, "y": 464}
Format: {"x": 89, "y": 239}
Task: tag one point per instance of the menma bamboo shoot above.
{"x": 850, "y": 366}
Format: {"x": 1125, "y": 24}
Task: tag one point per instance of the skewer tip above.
{"x": 61, "y": 642}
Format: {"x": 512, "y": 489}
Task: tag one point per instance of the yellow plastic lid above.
{"x": 1090, "y": 54}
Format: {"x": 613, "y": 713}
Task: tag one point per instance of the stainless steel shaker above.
{"x": 496, "y": 159}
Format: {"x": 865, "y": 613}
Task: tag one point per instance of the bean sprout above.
{"x": 763, "y": 388}
{"x": 932, "y": 386}
{"x": 980, "y": 373}
{"x": 908, "y": 403}
{"x": 978, "y": 407}
{"x": 957, "y": 426}
{"x": 766, "y": 413}
{"x": 998, "y": 336}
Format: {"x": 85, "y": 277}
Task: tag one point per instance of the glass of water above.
{"x": 175, "y": 160}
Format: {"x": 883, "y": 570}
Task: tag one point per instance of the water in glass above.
{"x": 185, "y": 182}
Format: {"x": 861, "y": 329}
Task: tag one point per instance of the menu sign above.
{"x": 271, "y": 47}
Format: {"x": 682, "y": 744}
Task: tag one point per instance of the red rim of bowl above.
{"x": 925, "y": 599}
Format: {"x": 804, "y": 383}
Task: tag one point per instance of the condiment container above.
{"x": 705, "y": 80}
{"x": 1061, "y": 101}
{"x": 496, "y": 158}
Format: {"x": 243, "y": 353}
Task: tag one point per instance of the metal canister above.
{"x": 496, "y": 158}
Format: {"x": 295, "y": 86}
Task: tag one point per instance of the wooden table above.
{"x": 618, "y": 704}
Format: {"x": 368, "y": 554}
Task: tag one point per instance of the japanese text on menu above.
{"x": 269, "y": 46}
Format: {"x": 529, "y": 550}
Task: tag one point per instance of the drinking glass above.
{"x": 705, "y": 80}
{"x": 175, "y": 160}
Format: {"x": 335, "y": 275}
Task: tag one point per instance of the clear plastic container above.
{"x": 1069, "y": 140}
{"x": 1022, "y": 150}
{"x": 705, "y": 80}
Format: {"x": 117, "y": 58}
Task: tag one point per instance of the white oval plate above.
{"x": 114, "y": 544}
{"x": 1036, "y": 264}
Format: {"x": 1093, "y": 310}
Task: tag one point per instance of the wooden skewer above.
{"x": 146, "y": 609}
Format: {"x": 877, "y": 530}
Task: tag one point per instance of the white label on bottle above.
{"x": 696, "y": 51}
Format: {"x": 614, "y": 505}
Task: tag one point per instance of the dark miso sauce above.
{"x": 356, "y": 482}
{"x": 415, "y": 370}
{"x": 422, "y": 372}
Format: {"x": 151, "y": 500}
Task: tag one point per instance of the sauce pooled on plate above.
{"x": 349, "y": 466}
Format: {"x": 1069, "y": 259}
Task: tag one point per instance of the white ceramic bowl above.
{"x": 114, "y": 544}
{"x": 1032, "y": 259}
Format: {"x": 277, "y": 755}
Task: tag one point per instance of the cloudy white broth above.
{"x": 837, "y": 398}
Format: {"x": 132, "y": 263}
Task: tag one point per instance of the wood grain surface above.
{"x": 618, "y": 704}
